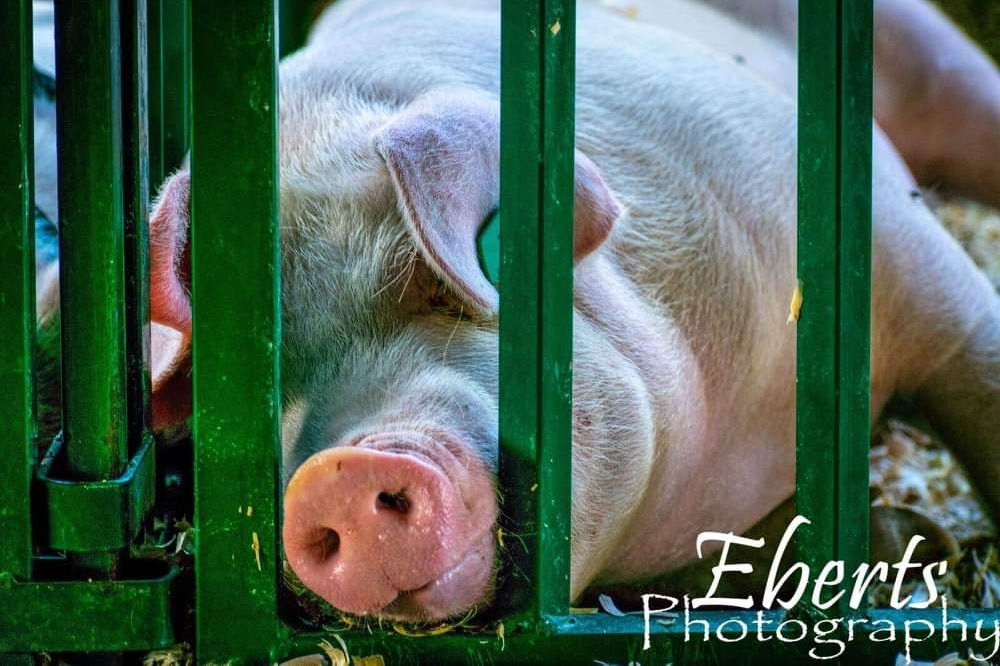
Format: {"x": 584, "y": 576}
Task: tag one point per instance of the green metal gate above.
{"x": 137, "y": 80}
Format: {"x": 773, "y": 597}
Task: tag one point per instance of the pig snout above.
{"x": 397, "y": 525}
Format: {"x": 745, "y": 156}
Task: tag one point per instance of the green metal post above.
{"x": 169, "y": 85}
{"x": 135, "y": 142}
{"x": 536, "y": 282}
{"x": 834, "y": 264}
{"x": 293, "y": 24}
{"x": 235, "y": 282}
{"x": 91, "y": 237}
{"x": 17, "y": 287}
{"x": 154, "y": 87}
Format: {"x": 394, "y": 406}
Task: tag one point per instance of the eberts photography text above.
{"x": 787, "y": 587}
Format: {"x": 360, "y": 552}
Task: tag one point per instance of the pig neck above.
{"x": 652, "y": 342}
{"x": 703, "y": 476}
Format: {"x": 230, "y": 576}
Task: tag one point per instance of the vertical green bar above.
{"x": 17, "y": 287}
{"x": 536, "y": 321}
{"x": 235, "y": 293}
{"x": 293, "y": 24}
{"x": 177, "y": 84}
{"x": 92, "y": 246}
{"x": 135, "y": 142}
{"x": 169, "y": 86}
{"x": 154, "y": 63}
{"x": 556, "y": 335}
{"x": 834, "y": 264}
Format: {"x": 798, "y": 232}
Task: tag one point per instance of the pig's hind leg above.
{"x": 937, "y": 95}
{"x": 961, "y": 398}
{"x": 936, "y": 333}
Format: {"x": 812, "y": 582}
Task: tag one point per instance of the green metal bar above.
{"x": 520, "y": 282}
{"x": 293, "y": 24}
{"x": 599, "y": 637}
{"x": 834, "y": 264}
{"x": 91, "y": 249}
{"x": 91, "y": 237}
{"x": 169, "y": 68}
{"x": 154, "y": 86}
{"x": 88, "y": 616}
{"x": 17, "y": 287}
{"x": 97, "y": 515}
{"x": 556, "y": 336}
{"x": 536, "y": 320}
{"x": 169, "y": 83}
{"x": 135, "y": 142}
{"x": 235, "y": 282}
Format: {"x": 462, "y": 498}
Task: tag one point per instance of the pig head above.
{"x": 390, "y": 350}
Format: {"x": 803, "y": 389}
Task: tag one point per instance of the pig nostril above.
{"x": 328, "y": 545}
{"x": 397, "y": 502}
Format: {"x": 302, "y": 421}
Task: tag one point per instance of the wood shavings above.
{"x": 608, "y": 606}
{"x": 175, "y": 655}
{"x": 950, "y": 659}
{"x": 307, "y": 660}
{"x": 795, "y": 306}
{"x": 909, "y": 468}
{"x": 255, "y": 546}
{"x": 337, "y": 657}
{"x": 976, "y": 227}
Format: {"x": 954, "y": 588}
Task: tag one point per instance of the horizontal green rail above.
{"x": 674, "y": 638}
{"x": 87, "y": 616}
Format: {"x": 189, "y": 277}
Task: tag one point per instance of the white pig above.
{"x": 684, "y": 365}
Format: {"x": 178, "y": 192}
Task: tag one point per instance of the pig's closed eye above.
{"x": 443, "y": 300}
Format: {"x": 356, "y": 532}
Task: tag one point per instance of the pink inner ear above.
{"x": 443, "y": 153}
{"x": 169, "y": 303}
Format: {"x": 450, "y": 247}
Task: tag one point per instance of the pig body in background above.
{"x": 936, "y": 95}
{"x": 683, "y": 362}
{"x": 685, "y": 263}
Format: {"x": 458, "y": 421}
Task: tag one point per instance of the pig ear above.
{"x": 443, "y": 154}
{"x": 170, "y": 304}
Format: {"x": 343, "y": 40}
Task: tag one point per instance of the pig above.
{"x": 937, "y": 94}
{"x": 684, "y": 263}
